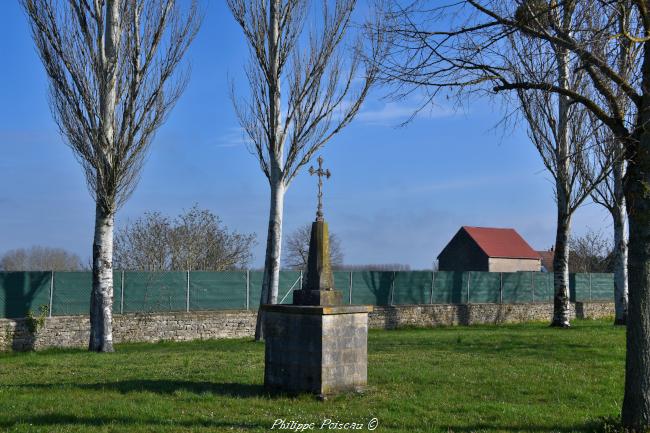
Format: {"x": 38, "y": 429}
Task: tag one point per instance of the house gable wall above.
{"x": 462, "y": 254}
{"x": 499, "y": 264}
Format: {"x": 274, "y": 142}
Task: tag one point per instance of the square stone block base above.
{"x": 316, "y": 349}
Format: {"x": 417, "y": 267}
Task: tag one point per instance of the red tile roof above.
{"x": 547, "y": 259}
{"x": 506, "y": 243}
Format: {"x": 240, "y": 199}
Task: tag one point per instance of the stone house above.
{"x": 488, "y": 249}
{"x": 547, "y": 259}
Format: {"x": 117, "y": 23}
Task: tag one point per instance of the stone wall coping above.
{"x": 592, "y": 302}
{"x": 318, "y": 309}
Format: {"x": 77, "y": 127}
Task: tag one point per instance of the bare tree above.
{"x": 144, "y": 244}
{"x": 591, "y": 252}
{"x": 610, "y": 193}
{"x": 39, "y": 258}
{"x": 463, "y": 46}
{"x": 195, "y": 240}
{"x": 560, "y": 130}
{"x": 611, "y": 196}
{"x": 198, "y": 241}
{"x": 297, "y": 249}
{"x": 111, "y": 66}
{"x": 563, "y": 136}
{"x": 322, "y": 97}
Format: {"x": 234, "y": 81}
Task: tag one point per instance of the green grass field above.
{"x": 462, "y": 379}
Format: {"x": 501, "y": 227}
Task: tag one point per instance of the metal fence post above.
{"x": 122, "y": 294}
{"x": 350, "y": 287}
{"x": 187, "y": 296}
{"x": 469, "y": 276}
{"x": 500, "y": 287}
{"x": 589, "y": 286}
{"x": 301, "y": 279}
{"x": 49, "y": 311}
{"x": 392, "y": 290}
{"x": 248, "y": 289}
{"x": 433, "y": 284}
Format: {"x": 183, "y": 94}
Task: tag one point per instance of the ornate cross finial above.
{"x": 320, "y": 173}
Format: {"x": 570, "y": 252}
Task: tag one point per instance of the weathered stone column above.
{"x": 318, "y": 284}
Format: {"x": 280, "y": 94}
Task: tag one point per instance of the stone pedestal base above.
{"x": 318, "y": 297}
{"x": 316, "y": 349}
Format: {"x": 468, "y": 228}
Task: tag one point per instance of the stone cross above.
{"x": 320, "y": 173}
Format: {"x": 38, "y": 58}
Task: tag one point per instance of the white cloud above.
{"x": 393, "y": 112}
{"x": 234, "y": 137}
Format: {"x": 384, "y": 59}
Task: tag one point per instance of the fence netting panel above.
{"x": 255, "y": 284}
{"x": 579, "y": 287}
{"x": 371, "y": 287}
{"x": 517, "y": 287}
{"x": 217, "y": 290}
{"x": 601, "y": 287}
{"x": 342, "y": 283}
{"x": 155, "y": 291}
{"x": 484, "y": 287}
{"x": 289, "y": 281}
{"x": 21, "y": 292}
{"x": 412, "y": 287}
{"x": 71, "y": 295}
{"x": 543, "y": 286}
{"x": 450, "y": 288}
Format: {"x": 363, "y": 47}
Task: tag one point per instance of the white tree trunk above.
{"x": 271, "y": 279}
{"x": 101, "y": 297}
{"x": 563, "y": 197}
{"x": 561, "y": 270}
{"x": 619, "y": 216}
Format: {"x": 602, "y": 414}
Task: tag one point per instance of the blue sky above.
{"x": 397, "y": 194}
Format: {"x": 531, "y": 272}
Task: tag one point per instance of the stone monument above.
{"x": 317, "y": 345}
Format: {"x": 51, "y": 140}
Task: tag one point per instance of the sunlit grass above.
{"x": 462, "y": 379}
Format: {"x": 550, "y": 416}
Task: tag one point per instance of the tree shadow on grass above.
{"x": 241, "y": 390}
{"x": 60, "y": 420}
{"x": 588, "y": 427}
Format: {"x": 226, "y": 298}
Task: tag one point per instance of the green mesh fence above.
{"x": 450, "y": 288}
{"x": 289, "y": 281}
{"x": 155, "y": 291}
{"x": 255, "y": 287}
{"x": 21, "y": 292}
{"x": 517, "y": 287}
{"x": 371, "y": 287}
{"x": 602, "y": 287}
{"x": 484, "y": 287}
{"x": 217, "y": 290}
{"x": 71, "y": 293}
{"x": 342, "y": 282}
{"x": 412, "y": 287}
{"x": 543, "y": 286}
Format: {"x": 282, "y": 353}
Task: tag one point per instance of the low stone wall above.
{"x": 73, "y": 331}
{"x": 477, "y": 314}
